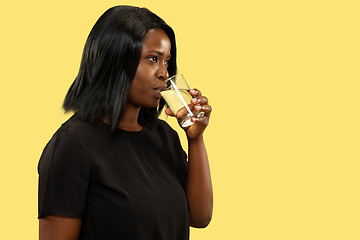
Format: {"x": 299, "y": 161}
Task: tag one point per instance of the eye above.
{"x": 167, "y": 63}
{"x": 153, "y": 59}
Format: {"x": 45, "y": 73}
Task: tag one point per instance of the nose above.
{"x": 162, "y": 73}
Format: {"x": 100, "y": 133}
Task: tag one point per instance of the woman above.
{"x": 114, "y": 170}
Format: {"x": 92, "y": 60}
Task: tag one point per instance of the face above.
{"x": 152, "y": 71}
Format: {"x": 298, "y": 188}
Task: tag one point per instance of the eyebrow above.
{"x": 158, "y": 52}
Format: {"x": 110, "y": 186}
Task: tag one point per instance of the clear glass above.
{"x": 178, "y": 98}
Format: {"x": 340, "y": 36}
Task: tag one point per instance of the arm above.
{"x": 56, "y": 227}
{"x": 198, "y": 183}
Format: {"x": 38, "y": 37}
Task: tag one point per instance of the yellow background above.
{"x": 283, "y": 80}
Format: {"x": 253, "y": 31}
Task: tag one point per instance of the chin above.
{"x": 154, "y": 105}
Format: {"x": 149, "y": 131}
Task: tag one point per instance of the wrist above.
{"x": 199, "y": 138}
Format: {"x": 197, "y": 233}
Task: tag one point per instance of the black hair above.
{"x": 109, "y": 62}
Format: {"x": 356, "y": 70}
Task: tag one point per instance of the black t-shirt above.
{"x": 127, "y": 185}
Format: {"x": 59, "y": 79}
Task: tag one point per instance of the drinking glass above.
{"x": 178, "y": 98}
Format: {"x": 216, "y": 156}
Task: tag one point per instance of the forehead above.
{"x": 157, "y": 39}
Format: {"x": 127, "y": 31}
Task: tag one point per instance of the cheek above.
{"x": 142, "y": 70}
{"x": 139, "y": 92}
{"x": 136, "y": 90}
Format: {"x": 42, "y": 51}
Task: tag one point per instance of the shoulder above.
{"x": 85, "y": 131}
{"x": 76, "y": 125}
{"x": 63, "y": 153}
{"x": 165, "y": 132}
{"x": 64, "y": 141}
{"x": 163, "y": 127}
{"x": 161, "y": 124}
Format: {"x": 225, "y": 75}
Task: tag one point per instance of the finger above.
{"x": 204, "y": 108}
{"x": 201, "y": 120}
{"x": 195, "y": 92}
{"x": 169, "y": 112}
{"x": 202, "y": 100}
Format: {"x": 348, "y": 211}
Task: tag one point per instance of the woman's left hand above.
{"x": 200, "y": 123}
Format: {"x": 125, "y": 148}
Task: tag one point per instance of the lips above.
{"x": 158, "y": 90}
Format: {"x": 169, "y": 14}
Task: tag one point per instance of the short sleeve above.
{"x": 63, "y": 176}
{"x": 182, "y": 163}
{"x": 180, "y": 156}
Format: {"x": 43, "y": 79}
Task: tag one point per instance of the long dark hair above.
{"x": 109, "y": 62}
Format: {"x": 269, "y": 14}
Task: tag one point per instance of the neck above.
{"x": 129, "y": 120}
